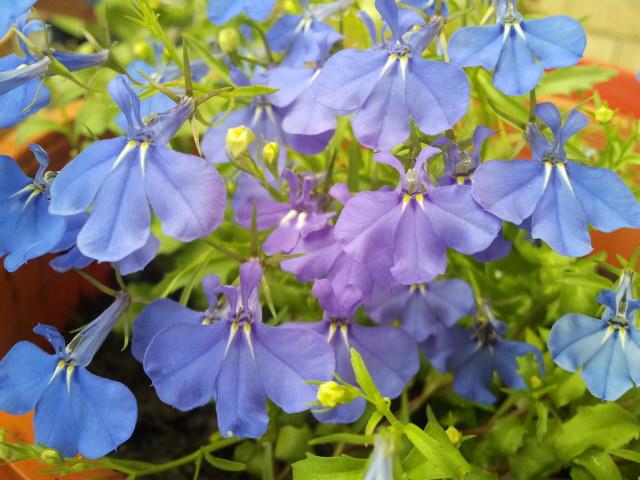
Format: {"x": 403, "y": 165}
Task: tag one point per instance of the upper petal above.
{"x": 557, "y": 41}
{"x": 517, "y": 71}
{"x": 574, "y": 339}
{"x": 476, "y": 46}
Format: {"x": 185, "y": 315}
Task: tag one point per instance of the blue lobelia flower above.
{"x": 606, "y": 351}
{"x": 425, "y": 308}
{"x": 556, "y": 199}
{"x": 518, "y": 50}
{"x": 305, "y": 37}
{"x": 428, "y": 6}
{"x": 293, "y": 221}
{"x": 72, "y": 258}
{"x": 120, "y": 177}
{"x": 27, "y": 229}
{"x": 415, "y": 223}
{"x": 265, "y": 120}
{"x": 473, "y": 357}
{"x": 75, "y": 410}
{"x": 12, "y": 12}
{"x": 229, "y": 355}
{"x": 460, "y": 167}
{"x": 221, "y": 11}
{"x": 386, "y": 87}
{"x": 389, "y": 353}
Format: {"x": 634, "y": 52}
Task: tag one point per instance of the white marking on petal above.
{"x": 507, "y": 30}
{"x": 26, "y": 189}
{"x": 548, "y": 168}
{"x": 59, "y": 367}
{"x": 302, "y": 218}
{"x": 623, "y": 338}
{"x": 608, "y": 333}
{"x": 256, "y": 115}
{"x": 291, "y": 214}
{"x": 344, "y": 330}
{"x": 391, "y": 61}
{"x": 314, "y": 76}
{"x": 70, "y": 370}
{"x": 247, "y": 334}
{"x": 232, "y": 334}
{"x": 332, "y": 332}
{"x": 565, "y": 178}
{"x": 404, "y": 60}
{"x": 31, "y": 198}
{"x": 144, "y": 148}
{"x": 405, "y": 201}
{"x": 131, "y": 144}
{"x": 420, "y": 199}
{"x": 519, "y": 31}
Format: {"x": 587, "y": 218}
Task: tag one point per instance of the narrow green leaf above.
{"x": 224, "y": 464}
{"x": 329, "y": 468}
{"x": 363, "y": 377}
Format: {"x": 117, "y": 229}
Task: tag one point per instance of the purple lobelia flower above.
{"x": 120, "y": 177}
{"x": 606, "y": 351}
{"x": 555, "y": 198}
{"x": 305, "y": 37}
{"x": 229, "y": 355}
{"x": 386, "y": 87}
{"x": 221, "y": 11}
{"x": 460, "y": 166}
{"x": 265, "y": 120}
{"x": 27, "y": 229}
{"x": 388, "y": 352}
{"x": 75, "y": 410}
{"x": 424, "y": 309}
{"x": 294, "y": 221}
{"x": 415, "y": 223}
{"x": 324, "y": 257}
{"x": 473, "y": 357}
{"x": 518, "y": 50}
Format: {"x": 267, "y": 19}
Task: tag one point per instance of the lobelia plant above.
{"x": 339, "y": 317}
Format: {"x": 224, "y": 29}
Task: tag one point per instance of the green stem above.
{"x": 100, "y": 286}
{"x": 263, "y": 39}
{"x": 532, "y": 106}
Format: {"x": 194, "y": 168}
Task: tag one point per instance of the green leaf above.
{"x": 507, "y": 105}
{"x": 363, "y": 377}
{"x": 507, "y": 435}
{"x": 599, "y": 465}
{"x": 292, "y": 443}
{"x": 352, "y": 438}
{"x": 579, "y": 78}
{"x": 224, "y": 464}
{"x": 541, "y": 424}
{"x": 434, "y": 456}
{"x": 250, "y": 91}
{"x": 329, "y": 468}
{"x": 570, "y": 386}
{"x": 606, "y": 426}
{"x": 626, "y": 454}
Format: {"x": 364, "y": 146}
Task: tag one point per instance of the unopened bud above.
{"x": 454, "y": 435}
{"x": 229, "y": 40}
{"x": 604, "y": 115}
{"x": 238, "y": 140}
{"x": 535, "y": 381}
{"x": 51, "y": 457}
{"x": 143, "y": 50}
{"x": 332, "y": 394}
{"x": 270, "y": 153}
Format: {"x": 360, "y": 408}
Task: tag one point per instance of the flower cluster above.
{"x": 377, "y": 251}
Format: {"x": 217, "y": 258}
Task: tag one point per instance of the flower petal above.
{"x": 476, "y": 46}
{"x": 557, "y": 41}
{"x": 517, "y": 71}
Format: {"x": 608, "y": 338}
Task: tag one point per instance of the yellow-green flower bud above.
{"x": 144, "y": 51}
{"x": 270, "y": 153}
{"x": 229, "y": 40}
{"x": 331, "y": 394}
{"x": 238, "y": 140}
{"x": 604, "y": 115}
{"x": 535, "y": 381}
{"x": 51, "y": 457}
{"x": 454, "y": 435}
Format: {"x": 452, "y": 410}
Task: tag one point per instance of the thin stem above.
{"x": 532, "y": 106}
{"x": 263, "y": 39}
{"x": 119, "y": 279}
{"x": 100, "y": 286}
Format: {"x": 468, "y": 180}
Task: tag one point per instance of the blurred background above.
{"x": 612, "y": 27}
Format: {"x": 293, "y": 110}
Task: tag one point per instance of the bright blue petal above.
{"x": 557, "y": 41}
{"x": 473, "y": 374}
{"x": 15, "y": 77}
{"x": 240, "y": 401}
{"x": 437, "y": 94}
{"x": 509, "y": 190}
{"x": 505, "y": 362}
{"x": 80, "y": 61}
{"x": 383, "y": 120}
{"x": 107, "y": 413}
{"x": 221, "y": 11}
{"x": 120, "y": 219}
{"x": 22, "y": 102}
{"x": 156, "y": 317}
{"x": 476, "y": 46}
{"x": 25, "y": 372}
{"x": 183, "y": 362}
{"x": 139, "y": 259}
{"x": 550, "y": 116}
{"x": 559, "y": 219}
{"x": 258, "y": 9}
{"x": 607, "y": 373}
{"x": 348, "y": 78}
{"x": 11, "y": 12}
{"x": 187, "y": 194}
{"x": 574, "y": 339}
{"x": 604, "y": 197}
{"x": 517, "y": 71}
{"x": 281, "y": 34}
{"x": 288, "y": 359}
{"x": 78, "y": 182}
